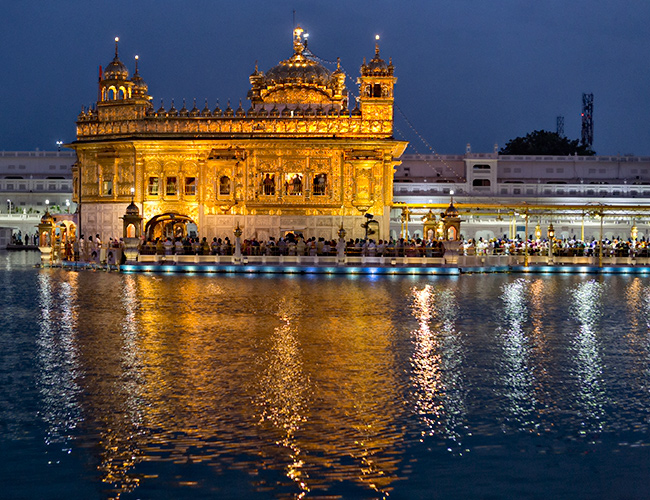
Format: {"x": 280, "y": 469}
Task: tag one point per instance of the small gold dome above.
{"x": 132, "y": 209}
{"x": 47, "y": 218}
{"x": 140, "y": 87}
{"x": 451, "y": 210}
{"x": 115, "y": 70}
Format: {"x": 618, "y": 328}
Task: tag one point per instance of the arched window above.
{"x": 293, "y": 184}
{"x": 224, "y": 186}
{"x": 320, "y": 184}
{"x": 171, "y": 186}
{"x": 153, "y": 186}
{"x": 107, "y": 188}
{"x": 268, "y": 184}
{"x": 130, "y": 231}
{"x": 190, "y": 186}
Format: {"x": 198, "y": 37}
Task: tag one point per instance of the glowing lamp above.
{"x": 551, "y": 231}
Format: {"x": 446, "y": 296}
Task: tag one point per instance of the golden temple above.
{"x": 297, "y": 160}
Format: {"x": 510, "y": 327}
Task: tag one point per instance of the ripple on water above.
{"x": 235, "y": 386}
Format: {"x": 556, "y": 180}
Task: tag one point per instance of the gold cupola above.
{"x": 376, "y": 85}
{"x": 298, "y": 82}
{"x": 140, "y": 87}
{"x": 121, "y": 97}
{"x": 114, "y": 82}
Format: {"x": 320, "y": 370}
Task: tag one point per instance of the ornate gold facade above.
{"x": 298, "y": 159}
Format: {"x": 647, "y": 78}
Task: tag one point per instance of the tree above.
{"x": 543, "y": 142}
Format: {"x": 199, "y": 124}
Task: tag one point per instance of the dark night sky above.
{"x": 469, "y": 70}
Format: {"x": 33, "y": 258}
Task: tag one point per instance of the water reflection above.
{"x": 637, "y": 345}
{"x": 296, "y": 387}
{"x": 193, "y": 371}
{"x": 284, "y": 389}
{"x": 587, "y": 310}
{"x": 437, "y": 364}
{"x": 517, "y": 375}
{"x": 57, "y": 354}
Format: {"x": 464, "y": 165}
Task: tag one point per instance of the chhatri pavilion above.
{"x": 298, "y": 159}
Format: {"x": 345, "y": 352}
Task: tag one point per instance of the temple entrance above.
{"x": 168, "y": 225}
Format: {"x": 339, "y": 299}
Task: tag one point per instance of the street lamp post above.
{"x": 238, "y": 232}
{"x": 600, "y": 250}
{"x": 526, "y": 242}
{"x": 551, "y": 238}
{"x": 9, "y": 201}
{"x": 67, "y": 206}
{"x": 58, "y": 145}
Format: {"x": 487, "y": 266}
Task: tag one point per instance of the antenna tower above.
{"x": 560, "y": 126}
{"x": 587, "y": 136}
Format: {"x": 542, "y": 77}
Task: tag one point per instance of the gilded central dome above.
{"x": 298, "y": 81}
{"x": 299, "y": 69}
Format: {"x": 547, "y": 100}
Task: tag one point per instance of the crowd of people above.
{"x": 562, "y": 247}
{"x": 90, "y": 249}
{"x": 292, "y": 244}
{"x": 19, "y": 239}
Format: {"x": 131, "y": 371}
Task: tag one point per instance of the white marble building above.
{"x": 27, "y": 180}
{"x": 492, "y": 179}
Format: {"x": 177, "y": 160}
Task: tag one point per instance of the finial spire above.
{"x": 298, "y": 46}
{"x": 377, "y": 45}
{"x": 117, "y": 39}
{"x": 136, "y": 64}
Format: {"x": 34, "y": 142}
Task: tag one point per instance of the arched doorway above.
{"x": 66, "y": 230}
{"x": 168, "y": 225}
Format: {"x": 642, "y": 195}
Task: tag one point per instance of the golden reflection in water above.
{"x": 185, "y": 369}
{"x": 354, "y": 432}
{"x": 587, "y": 310}
{"x": 284, "y": 389}
{"x": 436, "y": 362}
{"x": 58, "y": 358}
{"x": 517, "y": 373}
{"x": 109, "y": 357}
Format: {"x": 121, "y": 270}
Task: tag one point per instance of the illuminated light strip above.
{"x": 388, "y": 270}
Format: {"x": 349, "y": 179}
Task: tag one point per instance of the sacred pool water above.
{"x": 234, "y": 386}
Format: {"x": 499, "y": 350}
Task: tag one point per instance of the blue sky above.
{"x": 468, "y": 70}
